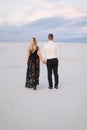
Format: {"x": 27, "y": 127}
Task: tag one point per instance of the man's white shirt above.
{"x": 51, "y": 50}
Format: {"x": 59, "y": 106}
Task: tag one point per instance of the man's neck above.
{"x": 50, "y": 41}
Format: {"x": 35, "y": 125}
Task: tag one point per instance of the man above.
{"x": 51, "y": 54}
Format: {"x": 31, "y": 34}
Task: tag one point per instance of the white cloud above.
{"x": 27, "y": 11}
{"x": 46, "y": 9}
{"x": 83, "y": 30}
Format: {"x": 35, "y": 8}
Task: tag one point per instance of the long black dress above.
{"x": 33, "y": 70}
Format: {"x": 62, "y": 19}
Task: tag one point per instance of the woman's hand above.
{"x": 44, "y": 62}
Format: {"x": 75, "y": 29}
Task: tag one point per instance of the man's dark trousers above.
{"x": 52, "y": 66}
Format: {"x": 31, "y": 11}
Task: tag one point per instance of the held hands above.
{"x": 44, "y": 62}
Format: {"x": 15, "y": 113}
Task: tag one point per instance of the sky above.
{"x": 18, "y": 13}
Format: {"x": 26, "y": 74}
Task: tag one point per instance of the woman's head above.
{"x": 33, "y": 40}
{"x": 33, "y": 44}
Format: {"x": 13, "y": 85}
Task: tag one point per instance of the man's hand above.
{"x": 44, "y": 62}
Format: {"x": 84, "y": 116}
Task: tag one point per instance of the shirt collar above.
{"x": 50, "y": 41}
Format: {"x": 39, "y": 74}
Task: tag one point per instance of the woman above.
{"x": 33, "y": 65}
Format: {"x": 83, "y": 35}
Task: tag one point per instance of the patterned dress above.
{"x": 33, "y": 70}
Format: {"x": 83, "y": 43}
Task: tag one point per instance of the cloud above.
{"x": 21, "y": 12}
{"x": 54, "y": 8}
{"x": 64, "y": 29}
{"x": 24, "y": 19}
{"x": 83, "y": 30}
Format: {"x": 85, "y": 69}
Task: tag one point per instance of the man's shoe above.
{"x": 50, "y": 87}
{"x": 56, "y": 87}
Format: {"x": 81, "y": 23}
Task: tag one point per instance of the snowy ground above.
{"x": 25, "y": 109}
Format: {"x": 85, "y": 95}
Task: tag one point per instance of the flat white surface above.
{"x": 25, "y": 109}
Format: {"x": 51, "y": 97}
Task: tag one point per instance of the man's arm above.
{"x": 58, "y": 53}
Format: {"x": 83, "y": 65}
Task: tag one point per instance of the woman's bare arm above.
{"x": 27, "y": 55}
{"x": 40, "y": 56}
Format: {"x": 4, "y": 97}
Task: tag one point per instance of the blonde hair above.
{"x": 33, "y": 44}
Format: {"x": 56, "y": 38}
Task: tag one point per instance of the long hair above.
{"x": 33, "y": 44}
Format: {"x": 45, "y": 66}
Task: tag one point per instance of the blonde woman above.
{"x": 33, "y": 65}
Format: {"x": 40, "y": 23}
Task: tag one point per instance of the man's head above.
{"x": 50, "y": 37}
